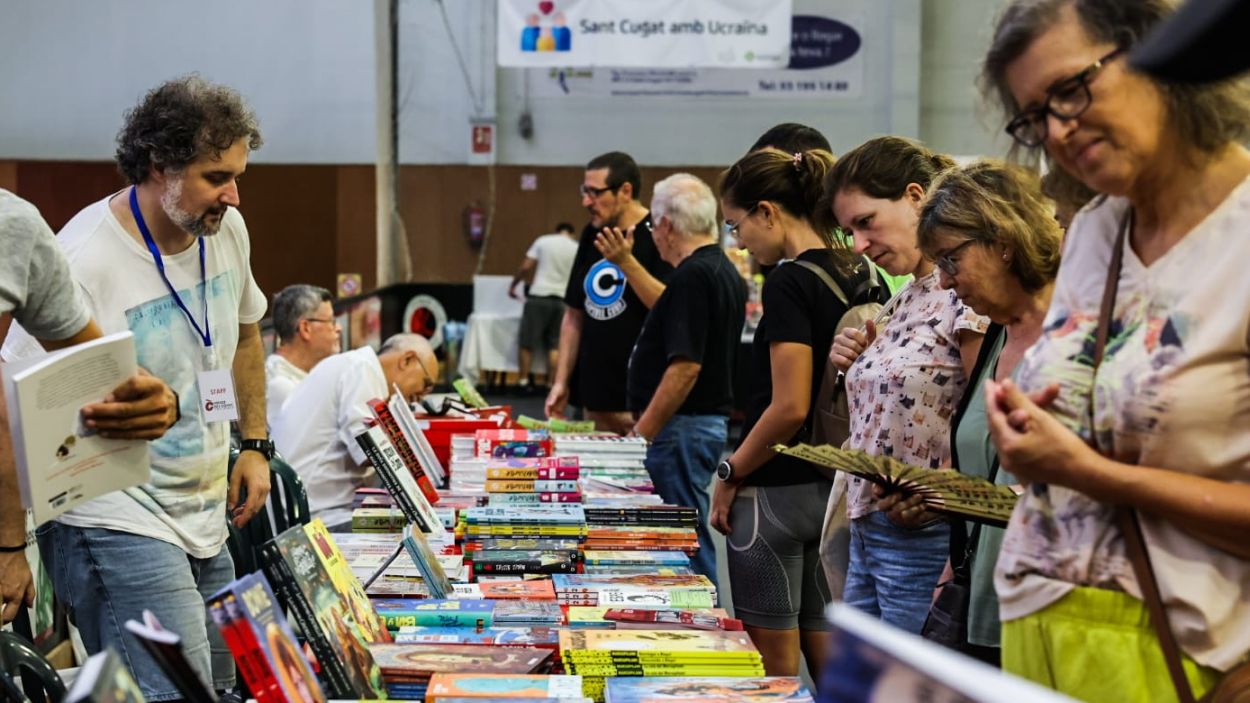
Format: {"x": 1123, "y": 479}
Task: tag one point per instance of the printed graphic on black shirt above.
{"x": 605, "y": 291}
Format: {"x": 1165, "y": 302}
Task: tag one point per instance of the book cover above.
{"x": 276, "y": 642}
{"x": 575, "y": 582}
{"x": 165, "y": 647}
{"x": 764, "y": 689}
{"x": 424, "y": 660}
{"x": 688, "y": 618}
{"x": 414, "y": 434}
{"x": 409, "y": 494}
{"x": 702, "y": 644}
{"x": 549, "y": 473}
{"x": 533, "y": 498}
{"x": 61, "y": 462}
{"x": 345, "y": 582}
{"x": 502, "y": 686}
{"x": 636, "y": 558}
{"x": 431, "y": 569}
{"x": 520, "y": 544}
{"x": 103, "y": 678}
{"x": 523, "y": 590}
{"x": 543, "y": 637}
{"x": 327, "y": 620}
{"x": 942, "y": 490}
{"x": 387, "y": 421}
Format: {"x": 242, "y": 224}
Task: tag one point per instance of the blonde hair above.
{"x": 995, "y": 203}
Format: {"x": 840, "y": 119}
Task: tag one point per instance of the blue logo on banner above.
{"x": 817, "y": 42}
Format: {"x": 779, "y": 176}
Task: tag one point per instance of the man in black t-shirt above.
{"x": 681, "y": 370}
{"x": 603, "y": 315}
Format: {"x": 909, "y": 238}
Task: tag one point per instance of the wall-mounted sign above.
{"x": 652, "y": 33}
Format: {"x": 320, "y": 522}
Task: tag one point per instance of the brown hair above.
{"x": 880, "y": 168}
{"x": 1206, "y": 117}
{"x": 995, "y": 203}
{"x": 790, "y": 181}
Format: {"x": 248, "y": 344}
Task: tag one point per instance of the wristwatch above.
{"x": 725, "y": 471}
{"x": 264, "y": 446}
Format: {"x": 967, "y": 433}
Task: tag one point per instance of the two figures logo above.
{"x": 546, "y": 30}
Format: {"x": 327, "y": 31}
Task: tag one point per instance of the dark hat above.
{"x": 1204, "y": 41}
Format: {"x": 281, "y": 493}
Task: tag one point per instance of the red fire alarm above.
{"x": 483, "y": 138}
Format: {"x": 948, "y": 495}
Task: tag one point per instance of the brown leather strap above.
{"x": 1130, "y": 526}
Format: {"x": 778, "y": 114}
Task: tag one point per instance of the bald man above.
{"x": 316, "y": 430}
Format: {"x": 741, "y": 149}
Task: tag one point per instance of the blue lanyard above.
{"x": 206, "y": 333}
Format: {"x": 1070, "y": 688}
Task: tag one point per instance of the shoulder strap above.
{"x": 1129, "y": 522}
{"x": 824, "y": 276}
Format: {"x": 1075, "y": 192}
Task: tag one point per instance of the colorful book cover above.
{"x": 534, "y": 498}
{"x": 575, "y": 582}
{"x": 345, "y": 582}
{"x": 522, "y": 590}
{"x": 104, "y": 678}
{"x": 273, "y": 636}
{"x": 544, "y": 637}
{"x": 520, "y": 544}
{"x": 502, "y": 686}
{"x": 427, "y": 561}
{"x": 548, "y": 473}
{"x": 424, "y": 660}
{"x": 400, "y": 612}
{"x": 531, "y": 486}
{"x": 614, "y": 558}
{"x": 333, "y": 613}
{"x": 709, "y": 644}
{"x": 763, "y": 689}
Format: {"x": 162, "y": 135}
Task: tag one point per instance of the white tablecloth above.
{"x": 490, "y": 344}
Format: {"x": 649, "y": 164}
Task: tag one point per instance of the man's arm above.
{"x": 251, "y": 470}
{"x": 679, "y": 378}
{"x": 525, "y": 273}
{"x": 618, "y": 248}
{"x": 17, "y": 586}
{"x": 570, "y": 338}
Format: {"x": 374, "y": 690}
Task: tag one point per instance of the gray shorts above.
{"x": 774, "y": 556}
{"x": 540, "y": 323}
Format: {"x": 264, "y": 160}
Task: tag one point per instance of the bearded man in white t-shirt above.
{"x": 168, "y": 259}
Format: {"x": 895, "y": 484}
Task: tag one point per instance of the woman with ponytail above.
{"x": 903, "y": 378}
{"x": 771, "y": 508}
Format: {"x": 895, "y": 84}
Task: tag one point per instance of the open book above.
{"x": 61, "y": 462}
{"x": 943, "y": 490}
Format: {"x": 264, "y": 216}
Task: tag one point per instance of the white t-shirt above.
{"x": 317, "y": 431}
{"x": 185, "y": 503}
{"x": 281, "y": 378}
{"x": 554, "y": 254}
{"x": 1173, "y": 392}
{"x": 904, "y": 388}
{"x": 35, "y": 284}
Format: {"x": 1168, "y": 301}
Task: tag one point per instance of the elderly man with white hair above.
{"x": 680, "y": 384}
{"x": 316, "y": 432}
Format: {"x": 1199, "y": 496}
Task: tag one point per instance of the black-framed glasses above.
{"x": 593, "y": 192}
{"x": 948, "y": 263}
{"x": 730, "y": 227}
{"x": 1068, "y": 99}
{"x": 329, "y": 321}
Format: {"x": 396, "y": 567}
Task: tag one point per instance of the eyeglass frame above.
{"x": 1079, "y": 80}
{"x": 948, "y": 265}
{"x": 330, "y": 321}
{"x": 430, "y": 382}
{"x": 730, "y": 227}
{"x": 593, "y": 192}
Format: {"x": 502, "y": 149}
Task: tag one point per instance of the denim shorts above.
{"x": 894, "y": 569}
{"x": 681, "y": 461}
{"x": 106, "y": 577}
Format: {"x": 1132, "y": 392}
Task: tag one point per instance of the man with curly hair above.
{"x": 168, "y": 259}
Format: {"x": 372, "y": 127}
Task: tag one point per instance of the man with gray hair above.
{"x": 316, "y": 433}
{"x": 303, "y": 319}
{"x": 680, "y": 384}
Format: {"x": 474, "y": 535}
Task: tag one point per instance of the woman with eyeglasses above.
{"x": 771, "y": 508}
{"x": 997, "y": 243}
{"x": 1168, "y": 408}
{"x": 902, "y": 381}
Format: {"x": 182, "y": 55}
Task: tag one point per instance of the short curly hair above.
{"x": 180, "y": 121}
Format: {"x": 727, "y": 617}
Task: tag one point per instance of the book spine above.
{"x": 394, "y": 621}
{"x": 545, "y": 473}
{"x": 528, "y": 566}
{"x": 386, "y": 471}
{"x": 229, "y": 633}
{"x": 250, "y": 657}
{"x": 292, "y": 599}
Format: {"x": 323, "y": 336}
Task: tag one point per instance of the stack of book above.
{"x": 612, "y": 561}
{"x": 611, "y": 466}
{"x": 407, "y": 612}
{"x": 701, "y": 689}
{"x": 598, "y": 654}
{"x": 407, "y": 669}
{"x": 458, "y": 688}
{"x": 641, "y": 538}
{"x": 560, "y": 521}
{"x": 533, "y": 481}
{"x": 492, "y": 562}
{"x": 511, "y": 588}
{"x": 635, "y": 590}
{"x": 608, "y": 618}
{"x": 544, "y": 638}
{"x": 512, "y": 443}
{"x": 526, "y": 613}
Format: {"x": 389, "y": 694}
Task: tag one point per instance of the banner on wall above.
{"x": 826, "y": 61}
{"x": 644, "y": 33}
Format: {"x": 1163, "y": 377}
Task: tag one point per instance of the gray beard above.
{"x": 195, "y": 226}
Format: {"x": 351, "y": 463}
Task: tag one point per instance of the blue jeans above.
{"x": 894, "y": 569}
{"x": 681, "y": 460}
{"x": 107, "y": 577}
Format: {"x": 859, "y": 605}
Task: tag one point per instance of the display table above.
{"x": 490, "y": 337}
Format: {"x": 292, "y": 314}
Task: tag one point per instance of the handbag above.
{"x": 1234, "y": 685}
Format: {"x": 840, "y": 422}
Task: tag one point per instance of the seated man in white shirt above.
{"x": 316, "y": 432}
{"x": 307, "y": 333}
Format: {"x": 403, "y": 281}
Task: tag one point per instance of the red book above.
{"x": 243, "y": 645}
{"x": 387, "y": 422}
